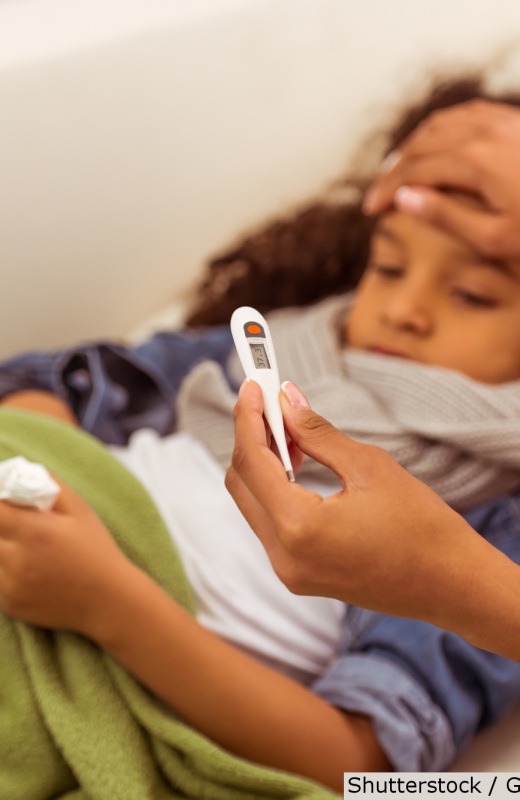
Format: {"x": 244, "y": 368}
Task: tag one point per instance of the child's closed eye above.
{"x": 474, "y": 299}
{"x": 386, "y": 270}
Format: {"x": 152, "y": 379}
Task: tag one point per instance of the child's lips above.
{"x": 386, "y": 350}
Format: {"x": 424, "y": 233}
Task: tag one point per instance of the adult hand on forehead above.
{"x": 472, "y": 147}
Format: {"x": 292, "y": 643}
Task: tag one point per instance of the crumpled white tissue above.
{"x": 25, "y": 483}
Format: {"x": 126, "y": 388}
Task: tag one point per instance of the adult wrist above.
{"x": 480, "y": 597}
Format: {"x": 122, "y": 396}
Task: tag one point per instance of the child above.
{"x": 423, "y": 359}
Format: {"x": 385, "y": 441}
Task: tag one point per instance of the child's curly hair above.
{"x": 321, "y": 249}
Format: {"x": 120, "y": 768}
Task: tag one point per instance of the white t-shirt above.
{"x": 237, "y": 593}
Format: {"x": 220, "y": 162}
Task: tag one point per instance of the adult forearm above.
{"x": 482, "y": 600}
{"x": 245, "y": 707}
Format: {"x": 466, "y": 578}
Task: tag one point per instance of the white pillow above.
{"x": 166, "y": 319}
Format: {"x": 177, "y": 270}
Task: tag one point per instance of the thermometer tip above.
{"x": 290, "y": 475}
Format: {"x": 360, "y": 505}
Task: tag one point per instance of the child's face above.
{"x": 427, "y": 296}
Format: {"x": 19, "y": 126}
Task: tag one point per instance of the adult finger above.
{"x": 463, "y": 122}
{"x": 318, "y": 438}
{"x": 296, "y": 456}
{"x": 459, "y": 127}
{"x": 255, "y": 515}
{"x": 471, "y": 118}
{"x": 480, "y": 229}
{"x": 445, "y": 169}
{"x": 253, "y": 460}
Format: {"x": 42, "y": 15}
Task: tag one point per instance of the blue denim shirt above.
{"x": 114, "y": 390}
{"x": 426, "y": 691}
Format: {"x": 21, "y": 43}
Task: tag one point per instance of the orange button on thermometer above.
{"x": 256, "y": 352}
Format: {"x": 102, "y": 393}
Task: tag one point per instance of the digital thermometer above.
{"x": 256, "y": 352}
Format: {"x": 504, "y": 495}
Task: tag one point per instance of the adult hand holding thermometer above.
{"x": 256, "y": 352}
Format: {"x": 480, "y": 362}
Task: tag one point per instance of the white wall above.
{"x": 138, "y": 137}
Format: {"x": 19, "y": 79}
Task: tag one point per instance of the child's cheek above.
{"x": 354, "y": 333}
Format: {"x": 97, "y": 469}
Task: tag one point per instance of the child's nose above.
{"x": 409, "y": 309}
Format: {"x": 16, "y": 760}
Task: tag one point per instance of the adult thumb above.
{"x": 314, "y": 435}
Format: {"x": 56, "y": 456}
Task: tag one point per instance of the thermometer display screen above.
{"x": 259, "y": 354}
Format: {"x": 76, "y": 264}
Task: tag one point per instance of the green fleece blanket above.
{"x": 73, "y": 724}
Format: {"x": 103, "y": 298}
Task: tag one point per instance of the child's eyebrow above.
{"x": 386, "y": 233}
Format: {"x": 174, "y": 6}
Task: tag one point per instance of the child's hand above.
{"x": 57, "y": 567}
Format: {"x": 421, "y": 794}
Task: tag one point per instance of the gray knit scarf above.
{"x": 459, "y": 436}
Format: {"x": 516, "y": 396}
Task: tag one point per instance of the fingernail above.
{"x": 409, "y": 200}
{"x": 389, "y": 162}
{"x": 296, "y": 398}
{"x": 244, "y": 383}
